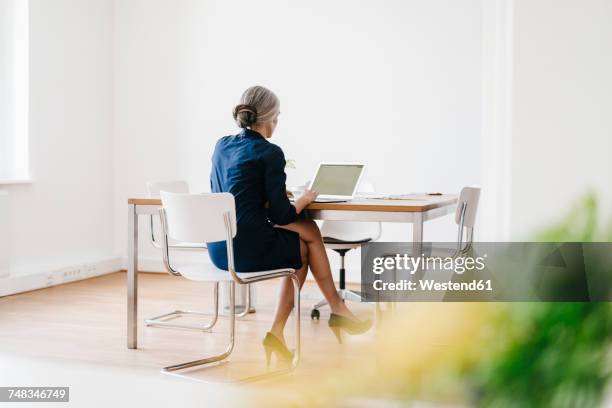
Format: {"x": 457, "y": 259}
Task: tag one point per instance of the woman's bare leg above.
{"x": 286, "y": 299}
{"x": 319, "y": 265}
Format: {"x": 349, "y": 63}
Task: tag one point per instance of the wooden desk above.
{"x": 415, "y": 210}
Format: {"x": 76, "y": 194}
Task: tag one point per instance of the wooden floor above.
{"x": 86, "y": 321}
{"x": 83, "y": 325}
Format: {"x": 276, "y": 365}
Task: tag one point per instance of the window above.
{"x": 14, "y": 75}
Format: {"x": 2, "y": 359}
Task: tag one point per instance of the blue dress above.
{"x": 253, "y": 171}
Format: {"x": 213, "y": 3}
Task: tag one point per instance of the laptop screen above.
{"x": 337, "y": 179}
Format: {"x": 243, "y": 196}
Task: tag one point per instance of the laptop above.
{"x": 336, "y": 182}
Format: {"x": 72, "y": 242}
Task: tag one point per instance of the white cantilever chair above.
{"x": 465, "y": 217}
{"x": 341, "y": 237}
{"x": 211, "y": 217}
{"x": 167, "y": 319}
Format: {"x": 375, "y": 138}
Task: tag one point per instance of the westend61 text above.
{"x": 431, "y": 285}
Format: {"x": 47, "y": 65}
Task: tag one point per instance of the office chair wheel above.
{"x": 315, "y": 314}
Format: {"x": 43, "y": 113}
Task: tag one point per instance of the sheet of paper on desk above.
{"x": 402, "y": 197}
{"x": 371, "y": 195}
{"x": 381, "y": 196}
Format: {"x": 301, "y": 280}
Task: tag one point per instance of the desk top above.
{"x": 413, "y": 203}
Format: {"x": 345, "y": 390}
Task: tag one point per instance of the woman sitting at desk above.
{"x": 269, "y": 234}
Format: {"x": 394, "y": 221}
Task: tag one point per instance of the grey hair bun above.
{"x": 258, "y": 105}
{"x": 245, "y": 115}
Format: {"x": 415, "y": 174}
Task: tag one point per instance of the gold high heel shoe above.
{"x": 338, "y": 324}
{"x": 272, "y": 344}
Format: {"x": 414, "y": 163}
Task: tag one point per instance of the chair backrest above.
{"x": 198, "y": 217}
{"x": 350, "y": 230}
{"x": 178, "y": 186}
{"x": 468, "y": 205}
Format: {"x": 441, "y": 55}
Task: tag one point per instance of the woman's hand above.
{"x": 307, "y": 197}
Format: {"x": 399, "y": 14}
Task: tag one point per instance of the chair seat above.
{"x": 332, "y": 240}
{"x": 340, "y": 244}
{"x": 206, "y": 271}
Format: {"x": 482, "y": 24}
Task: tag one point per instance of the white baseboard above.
{"x": 11, "y": 285}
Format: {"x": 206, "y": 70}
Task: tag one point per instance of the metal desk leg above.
{"x": 132, "y": 278}
{"x": 417, "y": 229}
{"x": 417, "y": 234}
{"x": 417, "y": 241}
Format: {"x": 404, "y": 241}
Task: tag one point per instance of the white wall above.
{"x": 148, "y": 126}
{"x": 394, "y": 84}
{"x": 562, "y": 136}
{"x": 125, "y": 91}
{"x": 6, "y": 34}
{"x": 64, "y": 217}
{"x": 13, "y": 88}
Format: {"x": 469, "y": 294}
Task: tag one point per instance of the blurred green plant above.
{"x": 551, "y": 354}
{"x": 560, "y": 358}
{"x": 580, "y": 225}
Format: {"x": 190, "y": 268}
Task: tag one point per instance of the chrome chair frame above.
{"x": 164, "y": 320}
{"x": 469, "y": 232}
{"x": 280, "y": 273}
